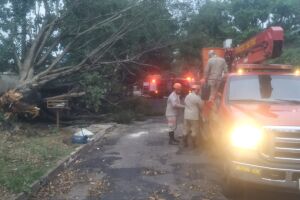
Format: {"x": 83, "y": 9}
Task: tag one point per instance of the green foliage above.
{"x": 249, "y": 14}
{"x": 152, "y": 24}
{"x": 286, "y": 14}
{"x": 151, "y": 27}
{"x": 20, "y": 20}
{"x": 214, "y": 21}
{"x": 124, "y": 116}
{"x": 289, "y": 56}
{"x": 137, "y": 108}
{"x": 96, "y": 88}
{"x": 2, "y": 117}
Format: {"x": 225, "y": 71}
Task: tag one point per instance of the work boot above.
{"x": 172, "y": 140}
{"x": 185, "y": 141}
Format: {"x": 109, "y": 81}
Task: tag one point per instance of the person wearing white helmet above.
{"x": 193, "y": 105}
{"x": 172, "y": 112}
{"x": 214, "y": 71}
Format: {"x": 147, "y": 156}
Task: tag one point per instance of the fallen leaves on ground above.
{"x": 152, "y": 172}
{"x": 68, "y": 179}
{"x": 207, "y": 189}
{"x": 60, "y": 185}
{"x": 175, "y": 194}
{"x": 155, "y": 196}
{"x": 98, "y": 187}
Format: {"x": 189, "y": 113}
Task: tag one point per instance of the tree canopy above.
{"x": 116, "y": 41}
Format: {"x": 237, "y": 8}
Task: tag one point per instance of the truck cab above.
{"x": 255, "y": 123}
{"x": 254, "y": 118}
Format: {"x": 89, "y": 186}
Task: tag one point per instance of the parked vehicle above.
{"x": 254, "y": 119}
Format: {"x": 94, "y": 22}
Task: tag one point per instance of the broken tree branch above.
{"x": 66, "y": 96}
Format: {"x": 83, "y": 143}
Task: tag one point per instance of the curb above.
{"x": 61, "y": 165}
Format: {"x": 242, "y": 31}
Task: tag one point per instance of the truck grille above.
{"x": 282, "y": 144}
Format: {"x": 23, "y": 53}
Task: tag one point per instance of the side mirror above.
{"x": 205, "y": 92}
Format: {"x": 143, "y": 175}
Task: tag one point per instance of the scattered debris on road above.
{"x": 60, "y": 185}
{"x": 152, "y": 172}
{"x": 97, "y": 187}
{"x": 155, "y": 196}
{"x": 65, "y": 182}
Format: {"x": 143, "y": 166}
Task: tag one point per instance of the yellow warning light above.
{"x": 240, "y": 71}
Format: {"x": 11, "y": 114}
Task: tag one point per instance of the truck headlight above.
{"x": 246, "y": 136}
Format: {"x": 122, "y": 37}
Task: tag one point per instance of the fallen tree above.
{"x": 70, "y": 39}
{"x": 66, "y": 96}
{"x": 37, "y": 66}
{"x": 11, "y": 105}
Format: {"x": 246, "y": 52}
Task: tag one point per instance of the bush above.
{"x": 137, "y": 108}
{"x": 124, "y": 116}
{"x": 290, "y": 56}
{"x": 143, "y": 107}
{"x": 98, "y": 87}
{"x": 95, "y": 90}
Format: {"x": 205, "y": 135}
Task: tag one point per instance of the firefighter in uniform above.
{"x": 214, "y": 71}
{"x": 193, "y": 104}
{"x": 172, "y": 112}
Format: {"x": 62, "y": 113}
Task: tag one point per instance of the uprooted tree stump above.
{"x": 11, "y": 104}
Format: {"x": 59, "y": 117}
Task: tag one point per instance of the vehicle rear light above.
{"x": 156, "y": 92}
{"x": 188, "y": 78}
{"x": 153, "y": 81}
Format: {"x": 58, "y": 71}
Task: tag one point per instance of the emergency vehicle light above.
{"x": 240, "y": 71}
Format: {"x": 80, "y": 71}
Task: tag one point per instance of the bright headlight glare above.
{"x": 246, "y": 137}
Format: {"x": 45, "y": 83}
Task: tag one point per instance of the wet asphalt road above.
{"x": 135, "y": 162}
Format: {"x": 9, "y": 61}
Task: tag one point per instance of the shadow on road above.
{"x": 258, "y": 194}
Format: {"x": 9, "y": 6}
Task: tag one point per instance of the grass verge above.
{"x": 25, "y": 159}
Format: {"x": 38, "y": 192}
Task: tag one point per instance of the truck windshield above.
{"x": 265, "y": 88}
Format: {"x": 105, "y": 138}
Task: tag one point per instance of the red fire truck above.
{"x": 255, "y": 117}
